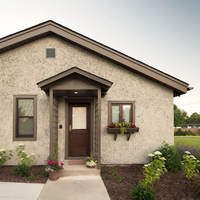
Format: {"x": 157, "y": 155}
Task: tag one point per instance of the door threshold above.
{"x": 76, "y": 158}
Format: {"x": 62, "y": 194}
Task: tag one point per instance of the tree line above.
{"x": 181, "y": 117}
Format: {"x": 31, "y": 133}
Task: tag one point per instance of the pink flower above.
{"x": 57, "y": 162}
{"x": 54, "y": 163}
{"x": 62, "y": 164}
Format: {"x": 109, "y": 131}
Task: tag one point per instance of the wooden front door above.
{"x": 79, "y": 129}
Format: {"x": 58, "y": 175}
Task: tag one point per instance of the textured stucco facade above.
{"x": 23, "y": 67}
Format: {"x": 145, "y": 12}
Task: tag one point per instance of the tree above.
{"x": 180, "y": 116}
{"x": 195, "y": 117}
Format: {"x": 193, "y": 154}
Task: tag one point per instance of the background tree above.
{"x": 180, "y": 116}
{"x": 195, "y": 117}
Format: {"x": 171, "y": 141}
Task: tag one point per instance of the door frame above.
{"x": 78, "y": 101}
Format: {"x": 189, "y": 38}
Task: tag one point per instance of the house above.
{"x": 60, "y": 86}
{"x": 191, "y": 125}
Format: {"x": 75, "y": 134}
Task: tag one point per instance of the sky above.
{"x": 164, "y": 34}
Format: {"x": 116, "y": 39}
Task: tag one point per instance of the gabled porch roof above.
{"x": 96, "y": 80}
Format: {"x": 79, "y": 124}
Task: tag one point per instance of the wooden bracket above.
{"x": 128, "y": 136}
{"x": 115, "y": 136}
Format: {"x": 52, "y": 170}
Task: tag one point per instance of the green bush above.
{"x": 118, "y": 178}
{"x": 173, "y": 158}
{"x": 22, "y": 170}
{"x": 45, "y": 173}
{"x": 143, "y": 192}
{"x": 31, "y": 177}
{"x": 106, "y": 176}
{"x": 190, "y": 165}
{"x": 184, "y": 133}
{"x": 4, "y": 156}
{"x": 154, "y": 169}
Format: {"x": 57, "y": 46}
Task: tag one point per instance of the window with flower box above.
{"x": 121, "y": 118}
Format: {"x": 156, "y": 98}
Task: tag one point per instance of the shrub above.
{"x": 23, "y": 157}
{"x": 143, "y": 192}
{"x": 25, "y": 161}
{"x": 184, "y": 133}
{"x": 118, "y": 178}
{"x": 190, "y": 164}
{"x": 22, "y": 170}
{"x": 4, "y": 156}
{"x": 173, "y": 158}
{"x": 113, "y": 171}
{"x": 106, "y": 176}
{"x": 155, "y": 168}
{"x": 45, "y": 173}
{"x": 31, "y": 177}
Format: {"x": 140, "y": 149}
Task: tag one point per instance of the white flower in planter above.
{"x": 91, "y": 163}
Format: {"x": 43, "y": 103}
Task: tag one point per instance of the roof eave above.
{"x": 51, "y": 27}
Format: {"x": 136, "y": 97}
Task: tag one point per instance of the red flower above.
{"x": 108, "y": 126}
{"x": 62, "y": 164}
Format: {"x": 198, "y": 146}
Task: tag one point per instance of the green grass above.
{"x": 191, "y": 141}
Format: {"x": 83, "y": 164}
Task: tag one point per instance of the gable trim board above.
{"x": 52, "y": 28}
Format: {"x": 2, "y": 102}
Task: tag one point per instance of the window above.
{"x": 25, "y": 117}
{"x": 121, "y": 111}
{"x": 50, "y": 53}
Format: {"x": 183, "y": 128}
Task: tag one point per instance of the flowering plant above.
{"x": 190, "y": 165}
{"x": 24, "y": 158}
{"x": 91, "y": 161}
{"x": 155, "y": 168}
{"x": 53, "y": 166}
{"x": 122, "y": 125}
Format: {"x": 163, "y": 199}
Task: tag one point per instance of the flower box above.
{"x": 128, "y": 132}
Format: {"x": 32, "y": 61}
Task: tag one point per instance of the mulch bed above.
{"x": 171, "y": 186}
{"x": 6, "y": 175}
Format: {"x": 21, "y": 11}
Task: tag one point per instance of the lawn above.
{"x": 191, "y": 141}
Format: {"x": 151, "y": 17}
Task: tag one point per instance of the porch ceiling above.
{"x": 75, "y": 93}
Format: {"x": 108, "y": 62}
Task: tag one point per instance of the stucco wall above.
{"x": 22, "y": 68}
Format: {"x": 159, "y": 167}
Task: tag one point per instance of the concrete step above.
{"x": 77, "y": 168}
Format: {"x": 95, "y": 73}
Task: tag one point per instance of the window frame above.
{"x": 16, "y": 136}
{"x": 121, "y": 103}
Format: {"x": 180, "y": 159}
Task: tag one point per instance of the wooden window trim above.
{"x": 121, "y": 103}
{"x": 15, "y": 120}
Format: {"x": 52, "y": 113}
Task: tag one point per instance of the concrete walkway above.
{"x": 65, "y": 188}
{"x": 75, "y": 188}
{"x": 20, "y": 191}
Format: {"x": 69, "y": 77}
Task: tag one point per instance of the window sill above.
{"x": 24, "y": 139}
{"x": 128, "y": 132}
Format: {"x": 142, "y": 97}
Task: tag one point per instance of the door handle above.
{"x": 70, "y": 127}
